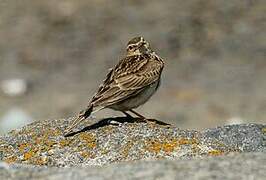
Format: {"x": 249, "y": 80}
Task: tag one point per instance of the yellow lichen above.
{"x": 264, "y": 130}
{"x": 167, "y": 146}
{"x": 89, "y": 139}
{"x": 105, "y": 151}
{"x": 126, "y": 148}
{"x": 64, "y": 143}
{"x": 215, "y": 152}
{"x": 85, "y": 154}
{"x": 91, "y": 145}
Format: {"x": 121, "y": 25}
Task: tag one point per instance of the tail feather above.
{"x": 82, "y": 116}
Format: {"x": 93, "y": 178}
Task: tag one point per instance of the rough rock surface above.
{"x": 102, "y": 142}
{"x": 43, "y": 144}
{"x": 248, "y": 166}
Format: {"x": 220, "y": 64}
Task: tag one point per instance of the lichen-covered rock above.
{"x": 43, "y": 142}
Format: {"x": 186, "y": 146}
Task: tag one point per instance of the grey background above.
{"x": 214, "y": 53}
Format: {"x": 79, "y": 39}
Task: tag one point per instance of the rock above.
{"x": 43, "y": 142}
{"x": 132, "y": 150}
{"x": 238, "y": 166}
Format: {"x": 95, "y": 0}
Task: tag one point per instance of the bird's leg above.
{"x": 128, "y": 115}
{"x": 142, "y": 118}
{"x": 139, "y": 115}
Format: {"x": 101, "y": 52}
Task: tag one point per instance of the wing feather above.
{"x": 128, "y": 78}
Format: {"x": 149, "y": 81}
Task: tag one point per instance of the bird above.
{"x": 129, "y": 84}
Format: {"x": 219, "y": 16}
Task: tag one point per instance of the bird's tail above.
{"x": 82, "y": 116}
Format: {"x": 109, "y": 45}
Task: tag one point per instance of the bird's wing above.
{"x": 128, "y": 78}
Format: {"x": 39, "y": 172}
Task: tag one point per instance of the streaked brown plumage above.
{"x": 129, "y": 84}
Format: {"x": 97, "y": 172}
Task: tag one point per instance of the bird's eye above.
{"x": 130, "y": 47}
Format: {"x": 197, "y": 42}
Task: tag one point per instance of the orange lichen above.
{"x": 169, "y": 146}
{"x": 10, "y": 159}
{"x": 185, "y": 141}
{"x": 28, "y": 155}
{"x": 154, "y": 147}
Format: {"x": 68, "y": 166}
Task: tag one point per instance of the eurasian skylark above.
{"x": 129, "y": 84}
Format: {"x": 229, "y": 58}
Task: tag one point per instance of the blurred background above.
{"x": 54, "y": 54}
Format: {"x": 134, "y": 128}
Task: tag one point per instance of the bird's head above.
{"x": 137, "y": 46}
